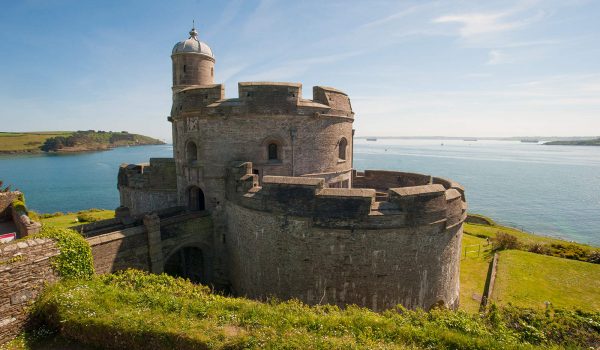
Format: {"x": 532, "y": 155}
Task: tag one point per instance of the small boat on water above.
{"x": 371, "y": 139}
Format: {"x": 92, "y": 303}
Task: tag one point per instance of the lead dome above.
{"x": 193, "y": 45}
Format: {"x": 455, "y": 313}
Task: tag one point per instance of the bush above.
{"x": 504, "y": 241}
{"x": 538, "y": 248}
{"x": 19, "y": 206}
{"x": 594, "y": 257}
{"x": 75, "y": 259}
{"x": 86, "y": 217}
{"x": 51, "y": 215}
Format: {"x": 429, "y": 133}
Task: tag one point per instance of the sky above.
{"x": 411, "y": 68}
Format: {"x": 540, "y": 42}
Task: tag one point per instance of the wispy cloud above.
{"x": 498, "y": 57}
{"x": 474, "y": 24}
{"x": 394, "y": 16}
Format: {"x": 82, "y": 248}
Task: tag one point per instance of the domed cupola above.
{"x": 193, "y": 45}
{"x": 193, "y": 63}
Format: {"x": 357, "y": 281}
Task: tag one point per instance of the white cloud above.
{"x": 498, "y": 57}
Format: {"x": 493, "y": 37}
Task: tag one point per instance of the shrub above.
{"x": 504, "y": 241}
{"x": 538, "y": 248}
{"x": 86, "y": 217}
{"x": 75, "y": 259}
{"x": 19, "y": 206}
{"x": 51, "y": 215}
{"x": 594, "y": 257}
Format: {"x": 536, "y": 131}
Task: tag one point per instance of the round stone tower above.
{"x": 193, "y": 63}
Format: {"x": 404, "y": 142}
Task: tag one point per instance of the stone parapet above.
{"x": 410, "y": 206}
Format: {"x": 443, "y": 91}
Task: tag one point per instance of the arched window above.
{"x": 184, "y": 68}
{"x": 273, "y": 151}
{"x": 191, "y": 152}
{"x": 195, "y": 199}
{"x": 343, "y": 144}
{"x": 212, "y": 72}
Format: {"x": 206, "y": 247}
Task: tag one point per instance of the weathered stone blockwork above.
{"x": 25, "y": 268}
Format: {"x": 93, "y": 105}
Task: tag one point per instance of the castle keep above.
{"x": 261, "y": 199}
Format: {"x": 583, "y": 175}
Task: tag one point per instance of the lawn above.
{"x": 26, "y": 142}
{"x": 473, "y": 272}
{"x": 70, "y": 219}
{"x": 524, "y": 237}
{"x": 528, "y": 279}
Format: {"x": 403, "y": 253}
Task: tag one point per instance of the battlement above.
{"x": 158, "y": 174}
{"x": 266, "y": 98}
{"x": 425, "y": 203}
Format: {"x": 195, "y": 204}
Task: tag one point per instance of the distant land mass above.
{"x": 70, "y": 141}
{"x": 594, "y": 142}
{"x": 507, "y": 138}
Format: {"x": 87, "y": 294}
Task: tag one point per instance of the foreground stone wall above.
{"x": 25, "y": 268}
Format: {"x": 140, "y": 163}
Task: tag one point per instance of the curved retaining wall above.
{"x": 293, "y": 238}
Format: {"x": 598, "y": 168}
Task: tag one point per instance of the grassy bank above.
{"x": 529, "y": 280}
{"x": 27, "y": 142}
{"x": 133, "y": 309}
{"x": 65, "y": 220}
{"x": 70, "y": 141}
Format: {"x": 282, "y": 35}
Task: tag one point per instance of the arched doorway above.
{"x": 187, "y": 262}
{"x": 196, "y": 199}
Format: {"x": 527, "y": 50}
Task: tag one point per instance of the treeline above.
{"x": 94, "y": 138}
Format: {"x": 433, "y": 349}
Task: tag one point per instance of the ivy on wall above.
{"x": 75, "y": 259}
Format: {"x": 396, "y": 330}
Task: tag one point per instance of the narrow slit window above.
{"x": 342, "y": 148}
{"x": 273, "y": 151}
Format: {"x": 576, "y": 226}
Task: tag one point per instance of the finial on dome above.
{"x": 193, "y": 32}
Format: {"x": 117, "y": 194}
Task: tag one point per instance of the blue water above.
{"x": 71, "y": 182}
{"x": 551, "y": 190}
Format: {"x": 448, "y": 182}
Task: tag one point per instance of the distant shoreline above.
{"x": 65, "y": 142}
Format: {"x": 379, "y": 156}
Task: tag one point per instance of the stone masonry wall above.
{"x": 294, "y": 238}
{"x": 288, "y": 257}
{"x": 119, "y": 250}
{"x": 25, "y": 268}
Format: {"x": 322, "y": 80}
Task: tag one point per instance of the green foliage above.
{"x": 51, "y": 215}
{"x": 133, "y": 309}
{"x": 504, "y": 241}
{"x": 19, "y": 206}
{"x": 479, "y": 226}
{"x": 75, "y": 259}
{"x": 86, "y": 217}
{"x": 529, "y": 280}
{"x": 66, "y": 220}
{"x": 92, "y": 138}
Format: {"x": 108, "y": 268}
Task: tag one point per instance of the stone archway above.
{"x": 196, "y": 201}
{"x": 187, "y": 262}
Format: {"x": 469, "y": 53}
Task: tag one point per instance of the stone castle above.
{"x": 268, "y": 202}
{"x": 259, "y": 200}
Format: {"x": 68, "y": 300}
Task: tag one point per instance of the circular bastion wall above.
{"x": 294, "y": 238}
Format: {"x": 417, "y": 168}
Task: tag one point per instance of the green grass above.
{"x": 27, "y": 142}
{"x": 527, "y": 279}
{"x": 134, "y": 309}
{"x": 524, "y": 237}
{"x": 473, "y": 272}
{"x": 70, "y": 219}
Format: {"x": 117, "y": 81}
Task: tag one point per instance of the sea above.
{"x": 548, "y": 190}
